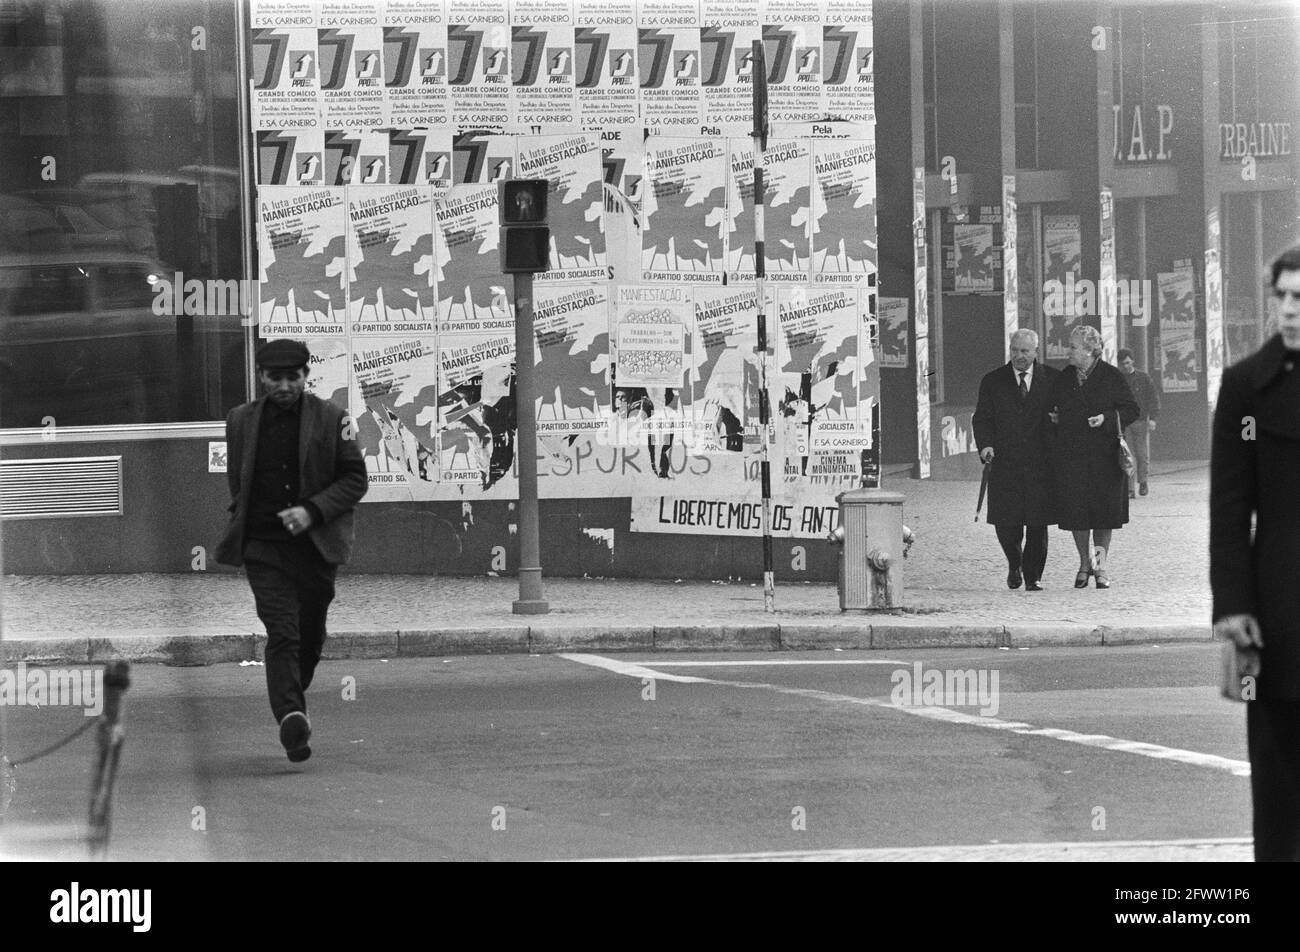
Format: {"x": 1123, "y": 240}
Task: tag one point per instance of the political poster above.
{"x": 478, "y": 70}
{"x": 973, "y": 259}
{"x": 472, "y": 291}
{"x": 543, "y": 95}
{"x": 571, "y": 326}
{"x": 727, "y": 70}
{"x": 650, "y": 364}
{"x": 843, "y": 212}
{"x": 390, "y": 260}
{"x": 816, "y": 387}
{"x": 802, "y": 513}
{"x": 1062, "y": 265}
{"x": 893, "y": 332}
{"x": 787, "y": 186}
{"x": 481, "y": 156}
{"x": 792, "y": 43}
{"x": 725, "y": 385}
{"x": 684, "y": 211}
{"x": 848, "y": 71}
{"x": 573, "y": 167}
{"x": 668, "y": 71}
{"x": 328, "y": 367}
{"x": 394, "y": 399}
{"x": 351, "y": 72}
{"x": 421, "y": 157}
{"x": 285, "y": 81}
{"x": 301, "y": 240}
{"x": 605, "y": 75}
{"x": 290, "y": 156}
{"x": 415, "y": 71}
{"x": 476, "y": 415}
{"x": 358, "y": 157}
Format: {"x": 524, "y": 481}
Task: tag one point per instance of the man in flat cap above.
{"x": 295, "y": 474}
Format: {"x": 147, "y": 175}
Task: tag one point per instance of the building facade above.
{"x": 944, "y": 172}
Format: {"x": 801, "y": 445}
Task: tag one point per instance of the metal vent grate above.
{"x": 58, "y": 488}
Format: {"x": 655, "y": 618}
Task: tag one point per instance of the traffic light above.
{"x": 525, "y": 236}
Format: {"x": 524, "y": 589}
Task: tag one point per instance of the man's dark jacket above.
{"x": 1020, "y": 479}
{"x": 331, "y": 475}
{"x": 1255, "y": 470}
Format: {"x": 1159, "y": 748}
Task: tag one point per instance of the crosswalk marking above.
{"x": 1238, "y": 768}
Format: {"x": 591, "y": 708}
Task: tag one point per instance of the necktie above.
{"x": 1024, "y": 390}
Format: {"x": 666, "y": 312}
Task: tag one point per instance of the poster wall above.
{"x": 381, "y": 132}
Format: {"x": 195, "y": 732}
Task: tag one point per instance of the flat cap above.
{"x": 282, "y": 354}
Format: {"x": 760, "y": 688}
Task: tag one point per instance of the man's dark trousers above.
{"x": 293, "y": 586}
{"x": 1273, "y": 740}
{"x": 1031, "y": 561}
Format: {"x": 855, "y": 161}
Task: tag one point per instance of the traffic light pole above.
{"x": 530, "y": 601}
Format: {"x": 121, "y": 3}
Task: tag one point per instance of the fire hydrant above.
{"x": 871, "y": 534}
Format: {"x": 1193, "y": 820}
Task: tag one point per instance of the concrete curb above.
{"x": 220, "y": 647}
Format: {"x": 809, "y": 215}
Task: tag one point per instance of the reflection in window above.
{"x": 119, "y": 136}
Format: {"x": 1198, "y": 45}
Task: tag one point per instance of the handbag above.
{"x": 1125, "y": 457}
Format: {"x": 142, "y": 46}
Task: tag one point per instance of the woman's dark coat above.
{"x": 1091, "y": 489}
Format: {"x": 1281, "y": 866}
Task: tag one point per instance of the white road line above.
{"x": 766, "y": 662}
{"x": 1238, "y": 768}
{"x": 631, "y": 670}
{"x": 1106, "y": 851}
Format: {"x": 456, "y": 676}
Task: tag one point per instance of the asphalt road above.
{"x": 565, "y": 757}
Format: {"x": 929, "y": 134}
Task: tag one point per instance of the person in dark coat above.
{"x": 1091, "y": 405}
{"x": 1012, "y": 432}
{"x": 295, "y": 474}
{"x": 1255, "y": 475}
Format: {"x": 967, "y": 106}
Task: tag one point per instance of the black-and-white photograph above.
{"x": 418, "y": 444}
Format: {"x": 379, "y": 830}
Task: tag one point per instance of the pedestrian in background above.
{"x": 295, "y": 473}
{"x": 1138, "y": 433}
{"x": 1091, "y": 406}
{"x": 1013, "y": 432}
{"x": 1255, "y": 477}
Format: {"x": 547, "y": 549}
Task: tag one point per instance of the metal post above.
{"x": 109, "y": 737}
{"x": 759, "y": 72}
{"x": 530, "y": 601}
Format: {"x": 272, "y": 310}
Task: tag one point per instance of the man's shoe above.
{"x": 1031, "y": 585}
{"x": 1133, "y": 495}
{"x": 295, "y": 732}
{"x": 1142, "y": 489}
{"x": 1014, "y": 579}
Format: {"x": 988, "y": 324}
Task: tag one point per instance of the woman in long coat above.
{"x": 1091, "y": 404}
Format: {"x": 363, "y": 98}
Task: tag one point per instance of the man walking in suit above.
{"x": 295, "y": 473}
{"x": 1138, "y": 434}
{"x": 1254, "y": 459}
{"x": 1012, "y": 433}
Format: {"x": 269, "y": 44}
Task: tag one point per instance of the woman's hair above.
{"x": 1089, "y": 336}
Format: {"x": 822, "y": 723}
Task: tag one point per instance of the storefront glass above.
{"x": 120, "y": 213}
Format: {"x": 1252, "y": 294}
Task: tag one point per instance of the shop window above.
{"x": 121, "y": 151}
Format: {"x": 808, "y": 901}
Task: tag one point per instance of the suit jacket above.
{"x": 1020, "y": 478}
{"x": 331, "y": 475}
{"x": 1255, "y": 471}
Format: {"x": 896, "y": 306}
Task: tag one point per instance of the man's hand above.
{"x": 1151, "y": 424}
{"x": 296, "y": 519}
{"x": 1242, "y": 630}
{"x": 986, "y": 455}
{"x": 1053, "y": 416}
